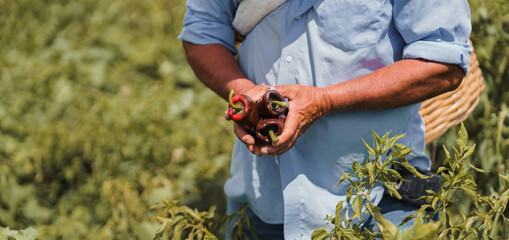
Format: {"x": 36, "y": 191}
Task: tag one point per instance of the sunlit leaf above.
{"x": 392, "y": 190}
{"x": 425, "y": 231}
{"x": 319, "y": 234}
{"x": 357, "y": 207}
{"x": 388, "y": 229}
{"x": 461, "y": 142}
{"x": 337, "y": 215}
{"x": 371, "y": 152}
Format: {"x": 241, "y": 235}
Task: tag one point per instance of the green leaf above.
{"x": 345, "y": 219}
{"x": 434, "y": 204}
{"x": 346, "y": 176}
{"x": 471, "y": 193}
{"x": 506, "y": 228}
{"x": 370, "y": 150}
{"x": 388, "y": 230}
{"x": 385, "y": 137}
{"x": 209, "y": 235}
{"x": 476, "y": 233}
{"x": 425, "y": 231}
{"x": 469, "y": 222}
{"x": 476, "y": 169}
{"x": 505, "y": 178}
{"x": 392, "y": 190}
{"x": 377, "y": 138}
{"x": 337, "y": 215}
{"x": 210, "y": 214}
{"x": 357, "y": 207}
{"x": 447, "y": 155}
{"x": 413, "y": 170}
{"x": 349, "y": 193}
{"x": 394, "y": 173}
{"x": 349, "y": 233}
{"x": 400, "y": 146}
{"x": 402, "y": 153}
{"x": 371, "y": 172}
{"x": 469, "y": 151}
{"x": 461, "y": 142}
{"x": 177, "y": 230}
{"x": 407, "y": 219}
{"x": 442, "y": 169}
{"x": 251, "y": 226}
{"x": 319, "y": 234}
{"x": 443, "y": 234}
{"x": 394, "y": 139}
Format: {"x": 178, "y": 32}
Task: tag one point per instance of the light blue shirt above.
{"x": 320, "y": 43}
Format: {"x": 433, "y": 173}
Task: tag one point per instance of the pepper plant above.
{"x": 458, "y": 182}
{"x": 24, "y": 234}
{"x": 386, "y": 156}
{"x": 183, "y": 222}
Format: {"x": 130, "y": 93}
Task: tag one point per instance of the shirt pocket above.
{"x": 350, "y": 24}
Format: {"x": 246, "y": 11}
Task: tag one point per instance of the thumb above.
{"x": 286, "y": 90}
{"x": 291, "y": 130}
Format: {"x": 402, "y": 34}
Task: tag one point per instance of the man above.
{"x": 348, "y": 68}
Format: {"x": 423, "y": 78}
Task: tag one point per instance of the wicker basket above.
{"x": 451, "y": 108}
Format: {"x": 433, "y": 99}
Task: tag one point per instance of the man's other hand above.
{"x": 306, "y": 104}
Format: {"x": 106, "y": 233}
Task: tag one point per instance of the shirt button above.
{"x": 298, "y": 17}
{"x": 289, "y": 59}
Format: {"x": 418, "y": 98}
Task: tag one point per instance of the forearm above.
{"x": 402, "y": 83}
{"x": 216, "y": 67}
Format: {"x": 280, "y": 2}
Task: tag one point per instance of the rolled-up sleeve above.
{"x": 435, "y": 30}
{"x": 209, "y": 22}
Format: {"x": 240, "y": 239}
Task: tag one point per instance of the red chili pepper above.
{"x": 242, "y": 109}
{"x": 272, "y": 104}
{"x": 267, "y": 130}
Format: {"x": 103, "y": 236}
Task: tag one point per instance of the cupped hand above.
{"x": 255, "y": 92}
{"x": 306, "y": 104}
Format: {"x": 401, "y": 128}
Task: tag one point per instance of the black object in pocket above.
{"x": 415, "y": 187}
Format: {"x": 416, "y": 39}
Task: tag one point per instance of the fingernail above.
{"x": 264, "y": 151}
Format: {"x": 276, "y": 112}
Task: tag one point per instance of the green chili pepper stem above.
{"x": 280, "y": 103}
{"x": 237, "y": 106}
{"x": 273, "y": 136}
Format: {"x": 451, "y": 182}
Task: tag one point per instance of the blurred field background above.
{"x": 101, "y": 118}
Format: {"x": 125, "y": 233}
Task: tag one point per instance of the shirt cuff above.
{"x": 444, "y": 52}
{"x": 203, "y": 33}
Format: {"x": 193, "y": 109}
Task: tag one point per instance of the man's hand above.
{"x": 255, "y": 92}
{"x": 306, "y": 104}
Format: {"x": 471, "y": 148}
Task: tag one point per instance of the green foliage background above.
{"x": 488, "y": 125}
{"x": 101, "y": 118}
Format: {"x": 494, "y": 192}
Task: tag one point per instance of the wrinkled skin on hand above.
{"x": 306, "y": 104}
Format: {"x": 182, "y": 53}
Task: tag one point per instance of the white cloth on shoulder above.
{"x": 250, "y": 12}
